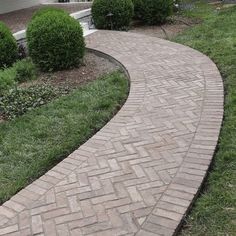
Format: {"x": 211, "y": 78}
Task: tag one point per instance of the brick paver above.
{"x": 140, "y": 173}
{"x": 18, "y": 20}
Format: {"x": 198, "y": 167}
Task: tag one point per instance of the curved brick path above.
{"x": 140, "y": 173}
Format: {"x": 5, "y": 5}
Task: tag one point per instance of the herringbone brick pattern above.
{"x": 139, "y": 174}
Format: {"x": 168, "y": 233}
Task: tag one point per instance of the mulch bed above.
{"x": 174, "y": 26}
{"x": 92, "y": 68}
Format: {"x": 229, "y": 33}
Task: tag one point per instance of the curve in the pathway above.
{"x": 140, "y": 173}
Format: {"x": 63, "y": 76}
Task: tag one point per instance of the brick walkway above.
{"x": 18, "y": 20}
{"x": 139, "y": 174}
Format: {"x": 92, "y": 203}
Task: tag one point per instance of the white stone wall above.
{"x": 12, "y": 5}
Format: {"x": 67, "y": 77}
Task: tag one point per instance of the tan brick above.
{"x": 55, "y": 213}
{"x": 67, "y": 218}
{"x": 4, "y": 211}
{"x": 37, "y": 224}
{"x": 167, "y": 214}
{"x": 9, "y": 229}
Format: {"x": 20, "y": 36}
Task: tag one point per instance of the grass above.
{"x": 214, "y": 211}
{"x": 33, "y": 143}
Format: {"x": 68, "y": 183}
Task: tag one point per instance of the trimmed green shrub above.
{"x": 138, "y": 8}
{"x": 44, "y": 10}
{"x": 7, "y": 80}
{"x": 156, "y": 11}
{"x": 8, "y": 47}
{"x": 55, "y": 41}
{"x": 25, "y": 70}
{"x": 112, "y": 14}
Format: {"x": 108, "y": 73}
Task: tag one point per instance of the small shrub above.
{"x": 156, "y": 11}
{"x": 25, "y": 70}
{"x": 55, "y": 41}
{"x": 44, "y": 10}
{"x": 8, "y": 47}
{"x": 20, "y": 100}
{"x": 7, "y": 80}
{"x": 138, "y": 8}
{"x": 22, "y": 51}
{"x": 120, "y": 11}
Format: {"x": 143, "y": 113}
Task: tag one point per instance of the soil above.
{"x": 18, "y": 20}
{"x": 174, "y": 26}
{"x": 90, "y": 69}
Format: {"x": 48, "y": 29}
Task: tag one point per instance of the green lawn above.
{"x": 33, "y": 143}
{"x": 214, "y": 212}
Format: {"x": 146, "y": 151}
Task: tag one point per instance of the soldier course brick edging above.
{"x": 140, "y": 173}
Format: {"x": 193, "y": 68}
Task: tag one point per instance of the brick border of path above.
{"x": 175, "y": 201}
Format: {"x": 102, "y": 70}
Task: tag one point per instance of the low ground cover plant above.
{"x": 112, "y": 14}
{"x": 21, "y": 100}
{"x": 8, "y": 47}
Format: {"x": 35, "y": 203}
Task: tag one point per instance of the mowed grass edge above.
{"x": 214, "y": 211}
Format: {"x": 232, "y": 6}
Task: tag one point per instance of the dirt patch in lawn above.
{"x": 173, "y": 27}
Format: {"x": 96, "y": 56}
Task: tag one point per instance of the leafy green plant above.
{"x": 21, "y": 71}
{"x": 7, "y": 80}
{"x": 20, "y": 100}
{"x": 25, "y": 70}
{"x": 55, "y": 41}
{"x": 112, "y": 14}
{"x": 138, "y": 8}
{"x": 155, "y": 12}
{"x": 8, "y": 47}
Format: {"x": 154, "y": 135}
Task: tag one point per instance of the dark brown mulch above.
{"x": 18, "y": 20}
{"x": 92, "y": 68}
{"x": 174, "y": 26}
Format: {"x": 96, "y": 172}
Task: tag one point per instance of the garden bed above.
{"x": 65, "y": 81}
{"x": 174, "y": 26}
{"x": 92, "y": 68}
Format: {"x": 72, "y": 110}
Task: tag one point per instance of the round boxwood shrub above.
{"x": 8, "y": 47}
{"x": 112, "y": 14}
{"x": 156, "y": 11}
{"x": 55, "y": 41}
